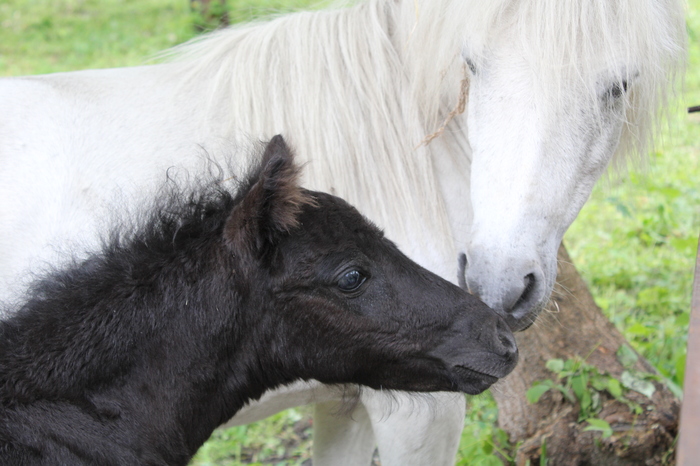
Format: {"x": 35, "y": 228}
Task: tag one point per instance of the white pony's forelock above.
{"x": 400, "y": 61}
{"x": 640, "y": 41}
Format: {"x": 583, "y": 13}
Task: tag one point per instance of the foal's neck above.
{"x": 140, "y": 337}
{"x": 165, "y": 369}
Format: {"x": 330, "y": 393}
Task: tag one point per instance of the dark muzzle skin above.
{"x": 478, "y": 349}
{"x": 472, "y": 350}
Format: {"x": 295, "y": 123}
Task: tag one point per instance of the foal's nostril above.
{"x": 506, "y": 338}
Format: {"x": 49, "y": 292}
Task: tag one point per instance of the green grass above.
{"x": 280, "y": 439}
{"x": 44, "y": 36}
{"x": 634, "y": 242}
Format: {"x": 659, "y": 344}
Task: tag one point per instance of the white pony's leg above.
{"x": 409, "y": 430}
{"x": 416, "y": 429}
{"x": 342, "y": 439}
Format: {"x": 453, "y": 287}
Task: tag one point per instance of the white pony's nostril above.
{"x": 516, "y": 289}
{"x": 529, "y": 286}
{"x": 518, "y": 293}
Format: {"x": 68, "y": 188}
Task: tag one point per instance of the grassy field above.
{"x": 634, "y": 242}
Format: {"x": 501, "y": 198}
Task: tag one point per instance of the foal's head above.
{"x": 336, "y": 301}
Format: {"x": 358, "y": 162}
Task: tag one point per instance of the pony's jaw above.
{"x": 536, "y": 157}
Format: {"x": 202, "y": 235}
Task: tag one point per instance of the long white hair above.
{"x": 383, "y": 77}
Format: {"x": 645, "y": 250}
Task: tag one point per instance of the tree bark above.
{"x": 574, "y": 326}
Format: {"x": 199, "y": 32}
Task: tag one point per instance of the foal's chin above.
{"x": 442, "y": 377}
{"x": 474, "y": 374}
{"x": 458, "y": 379}
{"x": 470, "y": 381}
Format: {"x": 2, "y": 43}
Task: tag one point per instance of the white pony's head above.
{"x": 556, "y": 89}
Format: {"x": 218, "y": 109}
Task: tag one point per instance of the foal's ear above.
{"x": 271, "y": 200}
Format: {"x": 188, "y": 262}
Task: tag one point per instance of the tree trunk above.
{"x": 576, "y": 327}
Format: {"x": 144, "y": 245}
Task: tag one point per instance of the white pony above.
{"x": 376, "y": 93}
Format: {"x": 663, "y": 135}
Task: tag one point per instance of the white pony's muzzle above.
{"x": 516, "y": 287}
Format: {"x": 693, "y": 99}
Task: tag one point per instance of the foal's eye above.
{"x": 351, "y": 281}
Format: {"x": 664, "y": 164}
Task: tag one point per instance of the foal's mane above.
{"x": 89, "y": 316}
{"x": 150, "y": 236}
{"x": 381, "y": 76}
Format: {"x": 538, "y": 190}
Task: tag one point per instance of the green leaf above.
{"x": 685, "y": 245}
{"x": 570, "y": 365}
{"x": 578, "y": 384}
{"x": 599, "y": 425}
{"x": 586, "y": 403}
{"x": 623, "y": 210}
{"x": 614, "y": 388}
{"x": 501, "y": 436}
{"x": 599, "y": 382}
{"x": 626, "y": 356}
{"x": 682, "y": 320}
{"x": 638, "y": 384}
{"x": 680, "y": 368}
{"x": 534, "y": 394}
{"x": 543, "y": 453}
{"x": 555, "y": 365}
{"x": 670, "y": 193}
{"x": 638, "y": 329}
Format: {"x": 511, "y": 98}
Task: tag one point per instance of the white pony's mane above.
{"x": 382, "y": 75}
{"x": 568, "y": 39}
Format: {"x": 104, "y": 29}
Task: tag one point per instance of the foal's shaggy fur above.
{"x": 135, "y": 355}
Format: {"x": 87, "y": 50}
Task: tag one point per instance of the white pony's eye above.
{"x": 471, "y": 65}
{"x": 617, "y": 90}
{"x": 468, "y": 61}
